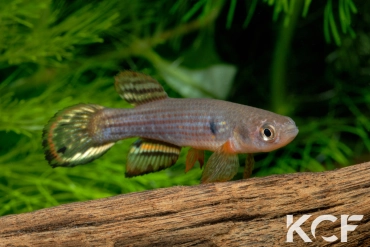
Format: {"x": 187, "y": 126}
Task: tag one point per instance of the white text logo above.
{"x": 344, "y": 229}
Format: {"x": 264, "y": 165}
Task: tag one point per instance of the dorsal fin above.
{"x": 137, "y": 88}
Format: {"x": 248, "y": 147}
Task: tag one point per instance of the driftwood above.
{"x": 250, "y": 212}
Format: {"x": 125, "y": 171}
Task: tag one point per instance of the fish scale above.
{"x": 162, "y": 121}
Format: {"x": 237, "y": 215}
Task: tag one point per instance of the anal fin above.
{"x": 192, "y": 157}
{"x": 147, "y": 156}
{"x": 221, "y": 166}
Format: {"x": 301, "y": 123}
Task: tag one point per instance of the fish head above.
{"x": 264, "y": 134}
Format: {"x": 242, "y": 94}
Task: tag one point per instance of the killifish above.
{"x": 81, "y": 133}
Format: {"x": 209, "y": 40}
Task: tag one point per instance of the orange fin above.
{"x": 221, "y": 166}
{"x": 249, "y": 164}
{"x": 147, "y": 156}
{"x": 137, "y": 88}
{"x": 192, "y": 157}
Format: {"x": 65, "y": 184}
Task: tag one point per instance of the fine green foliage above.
{"x": 43, "y": 37}
{"x": 345, "y": 8}
{"x": 54, "y": 54}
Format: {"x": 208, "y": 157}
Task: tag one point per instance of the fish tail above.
{"x": 72, "y": 136}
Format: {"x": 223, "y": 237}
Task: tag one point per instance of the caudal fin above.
{"x": 68, "y": 138}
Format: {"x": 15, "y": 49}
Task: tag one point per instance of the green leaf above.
{"x": 314, "y": 166}
{"x": 352, "y": 6}
{"x": 342, "y": 16}
{"x": 333, "y": 26}
{"x": 197, "y": 6}
{"x": 306, "y": 7}
{"x": 251, "y": 10}
{"x": 230, "y": 15}
{"x": 326, "y": 24}
{"x": 212, "y": 82}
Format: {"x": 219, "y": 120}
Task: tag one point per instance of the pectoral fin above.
{"x": 221, "y": 166}
{"x": 249, "y": 164}
{"x": 147, "y": 156}
{"x": 192, "y": 157}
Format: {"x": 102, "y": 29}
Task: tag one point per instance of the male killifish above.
{"x": 82, "y": 133}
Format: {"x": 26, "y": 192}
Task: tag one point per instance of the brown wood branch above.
{"x": 250, "y": 212}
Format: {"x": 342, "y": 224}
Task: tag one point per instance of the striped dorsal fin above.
{"x": 137, "y": 88}
{"x": 147, "y": 156}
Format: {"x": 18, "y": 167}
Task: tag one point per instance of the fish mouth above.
{"x": 291, "y": 130}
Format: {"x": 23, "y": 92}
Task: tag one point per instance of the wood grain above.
{"x": 248, "y": 212}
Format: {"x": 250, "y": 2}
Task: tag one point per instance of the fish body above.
{"x": 204, "y": 124}
{"x": 81, "y": 133}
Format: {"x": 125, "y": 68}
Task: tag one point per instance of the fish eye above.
{"x": 267, "y": 132}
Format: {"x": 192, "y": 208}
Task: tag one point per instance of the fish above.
{"x": 82, "y": 133}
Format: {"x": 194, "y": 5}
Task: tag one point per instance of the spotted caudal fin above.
{"x": 69, "y": 137}
{"x": 137, "y": 88}
{"x": 147, "y": 156}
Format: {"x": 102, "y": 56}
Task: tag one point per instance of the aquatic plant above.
{"x": 272, "y": 54}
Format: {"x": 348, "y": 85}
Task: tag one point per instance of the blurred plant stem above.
{"x": 279, "y": 59}
{"x": 173, "y": 70}
{"x": 140, "y": 46}
{"x": 137, "y": 46}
